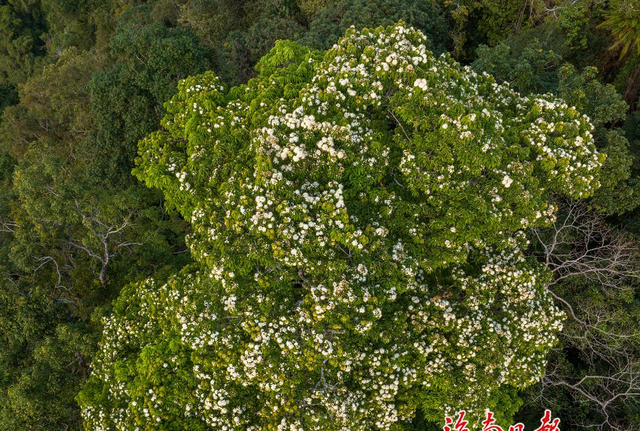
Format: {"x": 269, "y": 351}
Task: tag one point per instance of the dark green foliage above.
{"x": 263, "y": 22}
{"x": 531, "y": 70}
{"x": 600, "y": 102}
{"x": 127, "y": 98}
{"x": 626, "y": 72}
{"x": 77, "y": 217}
{"x": 21, "y": 49}
{"x": 42, "y": 359}
{"x": 210, "y": 20}
{"x": 620, "y": 190}
{"x": 488, "y": 21}
{"x": 7, "y": 226}
{"x": 248, "y": 29}
{"x": 8, "y": 97}
{"x": 81, "y": 81}
{"x": 157, "y": 55}
{"x": 631, "y": 127}
{"x": 308, "y": 8}
{"x": 485, "y": 21}
{"x": 54, "y": 107}
{"x": 242, "y": 50}
{"x": 569, "y": 28}
{"x": 79, "y": 23}
{"x": 327, "y": 25}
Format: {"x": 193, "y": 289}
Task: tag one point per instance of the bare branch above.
{"x": 107, "y": 236}
{"x": 8, "y": 226}
{"x": 581, "y": 249}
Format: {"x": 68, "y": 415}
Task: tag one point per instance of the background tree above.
{"x": 593, "y": 376}
{"x": 329, "y": 23}
{"x": 77, "y": 215}
{"x": 21, "y": 48}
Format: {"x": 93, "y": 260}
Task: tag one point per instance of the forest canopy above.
{"x": 505, "y": 168}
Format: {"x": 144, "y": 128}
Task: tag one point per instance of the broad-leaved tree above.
{"x": 357, "y": 230}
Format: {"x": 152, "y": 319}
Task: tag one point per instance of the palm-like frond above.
{"x": 624, "y": 23}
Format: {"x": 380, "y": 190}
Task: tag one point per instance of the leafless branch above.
{"x": 8, "y": 226}
{"x": 70, "y": 299}
{"x": 108, "y": 237}
{"x": 581, "y": 244}
{"x": 584, "y": 252}
{"x": 399, "y": 124}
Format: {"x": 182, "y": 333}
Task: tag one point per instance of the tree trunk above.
{"x": 633, "y": 87}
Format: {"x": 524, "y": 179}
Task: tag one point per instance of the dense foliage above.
{"x": 82, "y": 81}
{"x": 357, "y": 228}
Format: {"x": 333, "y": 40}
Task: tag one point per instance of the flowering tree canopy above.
{"x": 358, "y": 231}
